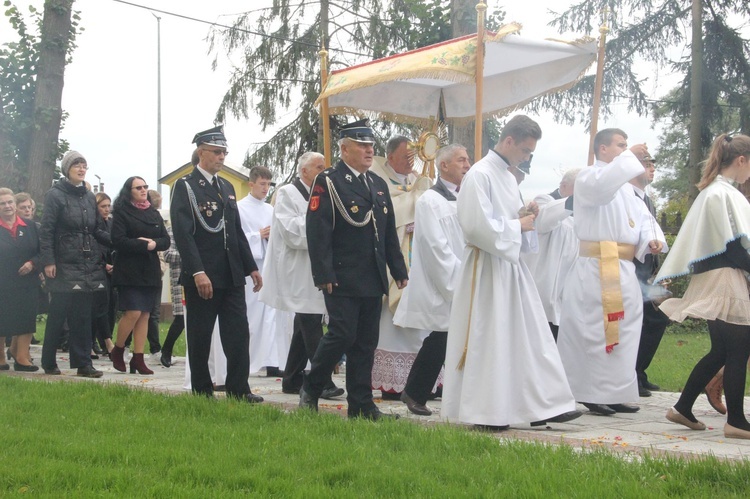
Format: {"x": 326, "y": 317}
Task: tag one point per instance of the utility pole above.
{"x": 158, "y": 101}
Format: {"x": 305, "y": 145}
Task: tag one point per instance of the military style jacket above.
{"x": 351, "y": 233}
{"x": 208, "y": 232}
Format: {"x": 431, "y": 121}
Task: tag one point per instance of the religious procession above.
{"x": 442, "y": 284}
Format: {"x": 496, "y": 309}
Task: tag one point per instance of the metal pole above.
{"x": 158, "y": 102}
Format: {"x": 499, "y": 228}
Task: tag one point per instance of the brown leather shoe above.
{"x": 414, "y": 406}
{"x": 714, "y": 390}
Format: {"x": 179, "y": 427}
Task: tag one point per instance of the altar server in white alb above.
{"x": 600, "y": 326}
{"x": 436, "y": 261}
{"x": 287, "y": 267}
{"x": 268, "y": 346}
{"x": 501, "y": 365}
{"x": 558, "y": 247}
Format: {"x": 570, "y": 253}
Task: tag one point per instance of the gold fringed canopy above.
{"x": 409, "y": 87}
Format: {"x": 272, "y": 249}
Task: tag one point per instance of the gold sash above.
{"x": 609, "y": 253}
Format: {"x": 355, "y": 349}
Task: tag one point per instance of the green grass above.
{"x": 66, "y": 439}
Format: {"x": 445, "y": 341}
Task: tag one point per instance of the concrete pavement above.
{"x": 646, "y": 431}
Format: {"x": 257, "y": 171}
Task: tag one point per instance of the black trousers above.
{"x": 353, "y": 329}
{"x": 230, "y": 307}
{"x": 308, "y": 330}
{"x": 175, "y": 330}
{"x": 153, "y": 325}
{"x": 426, "y": 368}
{"x": 76, "y": 307}
{"x": 652, "y": 330}
{"x": 100, "y": 329}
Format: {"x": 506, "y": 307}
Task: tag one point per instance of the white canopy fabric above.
{"x": 410, "y": 87}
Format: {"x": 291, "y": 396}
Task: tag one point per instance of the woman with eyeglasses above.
{"x": 70, "y": 235}
{"x": 713, "y": 246}
{"x": 138, "y": 233}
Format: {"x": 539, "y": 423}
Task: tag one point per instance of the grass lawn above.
{"x": 87, "y": 439}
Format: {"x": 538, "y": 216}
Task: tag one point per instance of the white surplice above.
{"x": 605, "y": 209}
{"x": 558, "y": 249}
{"x": 436, "y": 261}
{"x": 512, "y": 372}
{"x": 398, "y": 346}
{"x": 287, "y": 278}
{"x": 267, "y": 341}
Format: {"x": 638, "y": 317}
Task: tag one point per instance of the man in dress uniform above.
{"x": 654, "y": 320}
{"x": 216, "y": 257}
{"x": 351, "y": 236}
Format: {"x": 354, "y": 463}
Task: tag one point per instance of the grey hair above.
{"x": 570, "y": 175}
{"x": 306, "y": 159}
{"x": 445, "y": 153}
{"x": 394, "y": 143}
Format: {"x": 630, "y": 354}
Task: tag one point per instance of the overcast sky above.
{"x": 111, "y": 87}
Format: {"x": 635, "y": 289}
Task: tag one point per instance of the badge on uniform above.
{"x": 354, "y": 209}
{"x": 202, "y": 183}
{"x": 318, "y": 190}
{"x": 380, "y": 193}
{"x": 231, "y": 197}
{"x": 314, "y": 203}
{"x": 348, "y": 177}
{"x": 385, "y": 209}
{"x": 20, "y": 233}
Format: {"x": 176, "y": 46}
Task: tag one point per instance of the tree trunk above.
{"x": 55, "y": 39}
{"x": 463, "y": 22}
{"x": 696, "y": 99}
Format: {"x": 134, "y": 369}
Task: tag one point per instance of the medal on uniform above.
{"x": 355, "y": 209}
{"x": 385, "y": 209}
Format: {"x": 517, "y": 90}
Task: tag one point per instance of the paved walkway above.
{"x": 644, "y": 432}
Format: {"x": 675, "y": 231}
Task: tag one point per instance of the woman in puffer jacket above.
{"x": 69, "y": 237}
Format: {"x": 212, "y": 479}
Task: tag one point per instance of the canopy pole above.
{"x": 598, "y": 86}
{"x": 479, "y": 78}
{"x": 325, "y": 119}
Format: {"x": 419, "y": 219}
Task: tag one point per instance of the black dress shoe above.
{"x": 560, "y": 418}
{"x": 414, "y": 406}
{"x": 4, "y": 367}
{"x": 290, "y": 391}
{"x": 491, "y": 428}
{"x": 643, "y": 391}
{"x": 26, "y": 369}
{"x": 329, "y": 393}
{"x": 373, "y": 414}
{"x": 89, "y": 372}
{"x": 650, "y": 386}
{"x": 9, "y": 355}
{"x": 601, "y": 409}
{"x": 53, "y": 371}
{"x": 307, "y": 401}
{"x": 251, "y": 398}
{"x": 274, "y": 372}
{"x": 626, "y": 408}
{"x": 166, "y": 359}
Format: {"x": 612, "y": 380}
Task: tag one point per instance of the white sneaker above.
{"x": 154, "y": 358}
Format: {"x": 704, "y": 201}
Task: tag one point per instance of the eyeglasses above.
{"x": 217, "y": 152}
{"x": 80, "y": 166}
{"x": 140, "y": 187}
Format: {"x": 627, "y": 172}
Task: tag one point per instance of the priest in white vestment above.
{"x": 558, "y": 247}
{"x": 501, "y": 366}
{"x": 436, "y": 261}
{"x": 397, "y": 346}
{"x": 289, "y": 286}
{"x": 269, "y": 337}
{"x": 600, "y": 326}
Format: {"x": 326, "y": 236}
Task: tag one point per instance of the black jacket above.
{"x": 134, "y": 264}
{"x": 69, "y": 238}
{"x": 225, "y": 255}
{"x": 14, "y": 253}
{"x": 353, "y": 257}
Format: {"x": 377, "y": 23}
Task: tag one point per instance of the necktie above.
{"x": 363, "y": 180}
{"x": 215, "y": 183}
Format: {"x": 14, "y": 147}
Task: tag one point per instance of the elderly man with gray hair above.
{"x": 289, "y": 285}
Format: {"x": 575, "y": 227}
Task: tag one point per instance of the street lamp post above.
{"x": 158, "y": 101}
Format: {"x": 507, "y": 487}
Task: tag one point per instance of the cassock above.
{"x": 398, "y": 346}
{"x": 605, "y": 209}
{"x": 558, "y": 250}
{"x": 501, "y": 365}
{"x": 269, "y": 342}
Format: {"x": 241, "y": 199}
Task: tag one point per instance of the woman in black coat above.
{"x": 19, "y": 282}
{"x": 138, "y": 233}
{"x": 69, "y": 237}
